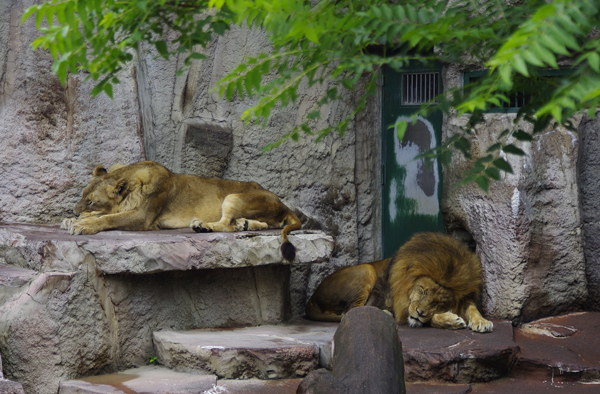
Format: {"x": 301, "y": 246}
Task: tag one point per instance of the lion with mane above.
{"x": 432, "y": 279}
{"x": 147, "y": 196}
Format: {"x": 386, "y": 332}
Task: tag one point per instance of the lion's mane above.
{"x": 445, "y": 260}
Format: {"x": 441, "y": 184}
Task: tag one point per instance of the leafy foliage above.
{"x": 100, "y": 36}
{"x": 344, "y": 44}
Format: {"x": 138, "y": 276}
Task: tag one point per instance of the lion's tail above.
{"x": 288, "y": 250}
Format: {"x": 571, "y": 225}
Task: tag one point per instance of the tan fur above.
{"x": 147, "y": 196}
{"x": 436, "y": 279}
{"x": 348, "y": 288}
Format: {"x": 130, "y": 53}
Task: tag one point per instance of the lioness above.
{"x": 432, "y": 279}
{"x": 147, "y": 196}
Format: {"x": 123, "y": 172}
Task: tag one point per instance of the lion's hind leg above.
{"x": 347, "y": 288}
{"x": 250, "y": 225}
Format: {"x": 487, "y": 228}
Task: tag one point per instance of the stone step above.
{"x": 264, "y": 352}
{"x": 294, "y": 349}
{"x": 561, "y": 348}
{"x": 146, "y": 380}
{"x": 459, "y": 356}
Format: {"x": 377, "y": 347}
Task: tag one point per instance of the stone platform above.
{"x": 80, "y": 305}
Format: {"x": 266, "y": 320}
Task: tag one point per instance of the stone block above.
{"x": 265, "y": 352}
{"x": 367, "y": 357}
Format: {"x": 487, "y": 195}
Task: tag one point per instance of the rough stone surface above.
{"x": 367, "y": 357}
{"x": 589, "y": 187}
{"x": 527, "y": 228}
{"x": 265, "y": 352}
{"x": 562, "y": 348}
{"x": 460, "y": 356}
{"x": 10, "y": 387}
{"x": 144, "y": 380}
{"x": 140, "y": 252}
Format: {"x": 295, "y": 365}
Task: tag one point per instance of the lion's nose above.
{"x": 420, "y": 313}
{"x": 75, "y": 213}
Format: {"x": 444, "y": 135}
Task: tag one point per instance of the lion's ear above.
{"x": 99, "y": 170}
{"x": 118, "y": 189}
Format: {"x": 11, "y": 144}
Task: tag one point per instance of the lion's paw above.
{"x": 448, "y": 320}
{"x": 415, "y": 323}
{"x": 481, "y": 325}
{"x": 67, "y": 223}
{"x": 198, "y": 226}
{"x": 241, "y": 225}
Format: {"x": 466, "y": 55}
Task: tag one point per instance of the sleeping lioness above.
{"x": 147, "y": 196}
{"x": 432, "y": 279}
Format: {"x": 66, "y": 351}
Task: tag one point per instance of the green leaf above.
{"x": 594, "y": 61}
{"x": 493, "y": 173}
{"x": 401, "y": 130}
{"x": 503, "y": 165}
{"x": 108, "y": 90}
{"x": 513, "y": 150}
{"x": 162, "y": 49}
{"x": 522, "y": 135}
{"x": 483, "y": 183}
{"x": 494, "y": 147}
{"x": 314, "y": 115}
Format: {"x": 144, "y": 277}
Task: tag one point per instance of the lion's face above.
{"x": 100, "y": 197}
{"x": 426, "y": 299}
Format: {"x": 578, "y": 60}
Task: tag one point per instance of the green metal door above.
{"x": 411, "y": 190}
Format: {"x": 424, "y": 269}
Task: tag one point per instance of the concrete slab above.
{"x": 560, "y": 348}
{"x": 144, "y": 380}
{"x": 49, "y": 248}
{"x": 460, "y": 356}
{"x": 265, "y": 352}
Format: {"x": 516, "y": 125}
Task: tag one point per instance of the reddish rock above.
{"x": 460, "y": 356}
{"x": 527, "y": 386}
{"x": 437, "y": 388}
{"x": 560, "y": 348}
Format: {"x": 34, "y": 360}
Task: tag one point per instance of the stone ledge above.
{"x": 49, "y": 248}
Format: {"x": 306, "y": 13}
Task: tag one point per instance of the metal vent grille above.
{"x": 420, "y": 88}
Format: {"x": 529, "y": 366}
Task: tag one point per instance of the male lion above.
{"x": 432, "y": 278}
{"x": 147, "y": 196}
{"x": 436, "y": 279}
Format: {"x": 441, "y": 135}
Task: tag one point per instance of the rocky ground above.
{"x": 553, "y": 355}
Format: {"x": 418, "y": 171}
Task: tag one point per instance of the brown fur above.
{"x": 147, "y": 196}
{"x": 434, "y": 278}
{"x": 348, "y": 288}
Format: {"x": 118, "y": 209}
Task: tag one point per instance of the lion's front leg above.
{"x": 448, "y": 320}
{"x": 477, "y": 322}
{"x": 130, "y": 220}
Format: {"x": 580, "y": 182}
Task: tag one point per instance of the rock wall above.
{"x": 53, "y": 136}
{"x": 528, "y": 228}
